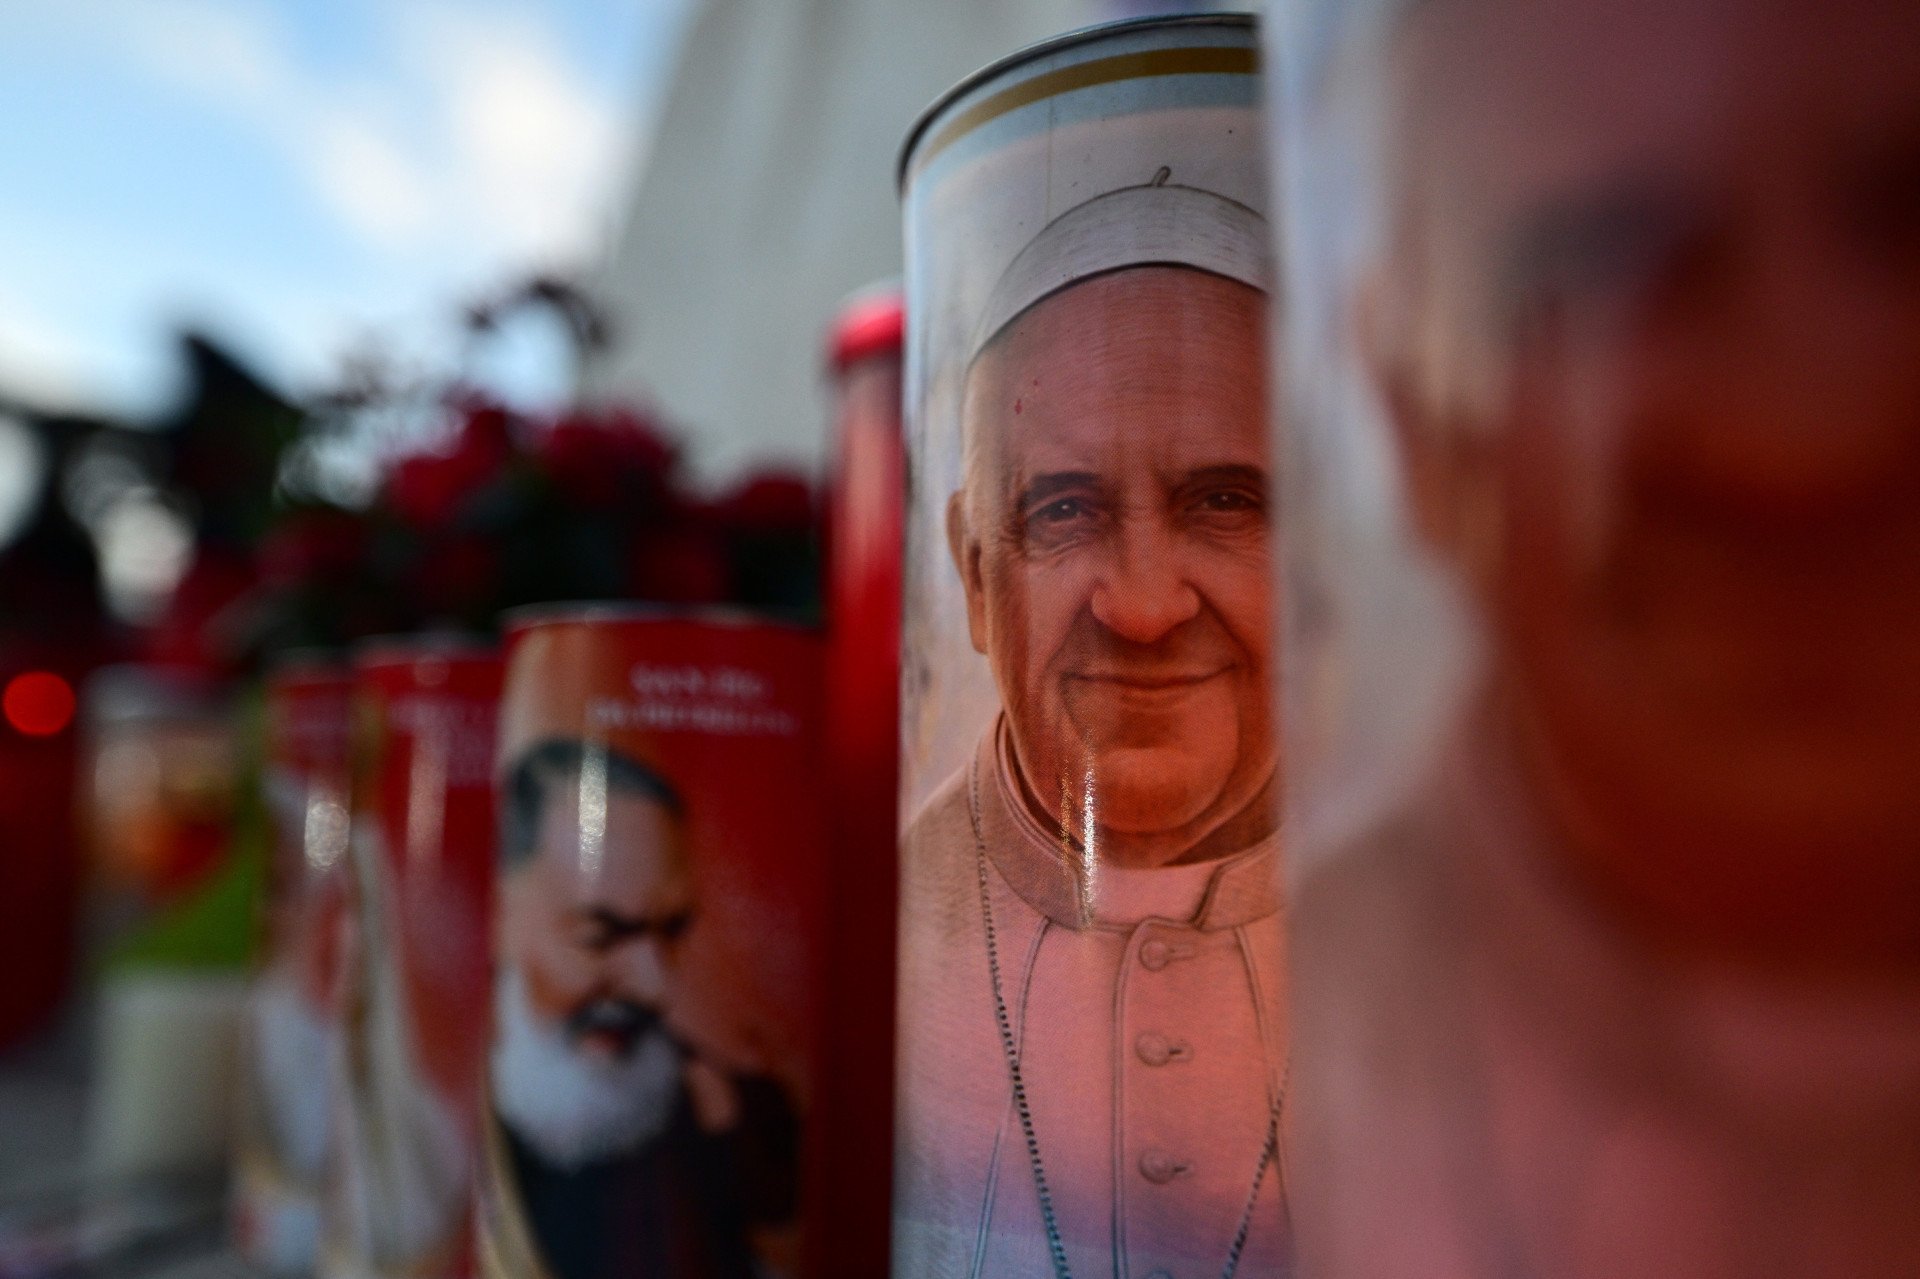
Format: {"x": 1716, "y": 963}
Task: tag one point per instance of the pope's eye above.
{"x": 1228, "y": 500}
{"x": 1060, "y": 511}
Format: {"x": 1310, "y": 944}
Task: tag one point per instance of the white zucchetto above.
{"x": 1155, "y": 224}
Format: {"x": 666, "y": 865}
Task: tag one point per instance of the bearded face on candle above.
{"x": 595, "y": 900}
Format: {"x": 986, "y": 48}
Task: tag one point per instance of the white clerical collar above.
{"x": 1049, "y": 871}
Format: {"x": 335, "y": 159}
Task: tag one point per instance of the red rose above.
{"x": 429, "y": 490}
{"x": 456, "y": 576}
{"x": 679, "y": 566}
{"x": 423, "y": 490}
{"x": 582, "y": 464}
{"x": 777, "y": 503}
{"x": 606, "y": 461}
{"x": 316, "y": 545}
{"x": 194, "y": 631}
{"x": 643, "y": 446}
{"x": 486, "y": 442}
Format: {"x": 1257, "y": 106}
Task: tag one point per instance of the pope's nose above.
{"x": 1144, "y": 592}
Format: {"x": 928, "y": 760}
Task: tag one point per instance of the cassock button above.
{"x": 1156, "y": 1049}
{"x": 1159, "y": 1167}
{"x": 1155, "y": 953}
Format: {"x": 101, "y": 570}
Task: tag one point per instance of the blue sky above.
{"x": 301, "y": 178}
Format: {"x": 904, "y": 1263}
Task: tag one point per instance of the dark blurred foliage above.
{"x": 514, "y": 511}
{"x": 50, "y": 575}
{"x": 509, "y": 510}
{"x": 225, "y": 445}
{"x": 212, "y": 461}
{"x": 223, "y": 450}
{"x": 562, "y": 298}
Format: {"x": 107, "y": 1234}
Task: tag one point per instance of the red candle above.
{"x": 415, "y": 996}
{"x": 854, "y": 1152}
{"x": 658, "y": 930}
{"x": 288, "y": 1038}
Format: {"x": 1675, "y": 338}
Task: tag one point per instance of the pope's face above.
{"x": 1652, "y": 331}
{"x": 593, "y": 921}
{"x": 1113, "y": 542}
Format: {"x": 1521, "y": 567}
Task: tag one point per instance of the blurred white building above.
{"x": 769, "y": 195}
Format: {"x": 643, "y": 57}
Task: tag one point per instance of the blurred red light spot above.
{"x": 38, "y": 703}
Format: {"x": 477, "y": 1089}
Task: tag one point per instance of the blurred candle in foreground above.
{"x": 415, "y": 972}
{"x": 288, "y": 1041}
{"x": 1604, "y": 521}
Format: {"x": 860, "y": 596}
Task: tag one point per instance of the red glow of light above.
{"x": 38, "y": 703}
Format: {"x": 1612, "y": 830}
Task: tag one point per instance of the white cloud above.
{"x": 536, "y": 153}
{"x": 48, "y": 365}
{"x": 230, "y": 52}
{"x": 370, "y": 180}
{"x": 454, "y": 144}
{"x": 476, "y": 138}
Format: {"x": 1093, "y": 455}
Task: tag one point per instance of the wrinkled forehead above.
{"x": 1146, "y": 361}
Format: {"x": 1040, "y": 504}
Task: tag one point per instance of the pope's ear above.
{"x": 1437, "y": 463}
{"x": 965, "y": 548}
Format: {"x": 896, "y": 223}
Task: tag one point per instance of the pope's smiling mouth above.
{"x": 1147, "y": 681}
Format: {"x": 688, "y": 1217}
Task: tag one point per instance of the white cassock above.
{"x": 1149, "y": 1009}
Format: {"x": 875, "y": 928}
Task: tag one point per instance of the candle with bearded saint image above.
{"x": 661, "y": 872}
{"x": 1604, "y": 592}
{"x": 414, "y": 961}
{"x": 1093, "y": 1029}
